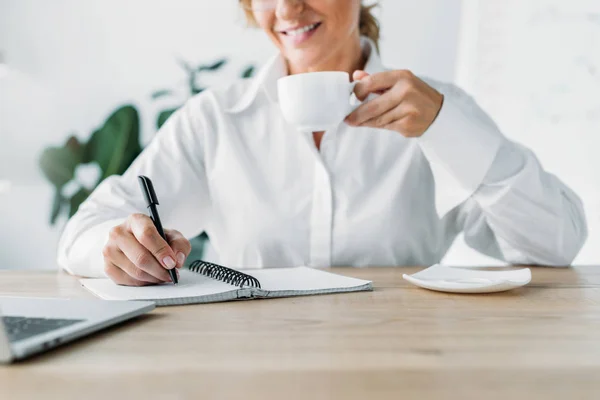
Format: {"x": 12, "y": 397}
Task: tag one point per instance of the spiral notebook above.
{"x": 205, "y": 282}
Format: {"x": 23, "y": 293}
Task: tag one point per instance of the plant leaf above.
{"x": 161, "y": 93}
{"x": 58, "y": 165}
{"x": 56, "y": 206}
{"x": 198, "y": 244}
{"x": 116, "y": 144}
{"x": 248, "y": 72}
{"x": 185, "y": 65}
{"x": 212, "y": 67}
{"x": 218, "y": 64}
{"x": 75, "y": 146}
{"x": 164, "y": 116}
{"x": 76, "y": 200}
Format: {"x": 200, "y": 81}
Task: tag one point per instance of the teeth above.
{"x": 301, "y": 30}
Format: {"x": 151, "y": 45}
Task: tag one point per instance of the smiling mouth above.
{"x": 300, "y": 31}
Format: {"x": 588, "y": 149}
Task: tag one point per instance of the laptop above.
{"x": 34, "y": 325}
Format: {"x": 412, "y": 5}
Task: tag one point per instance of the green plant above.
{"x": 113, "y": 147}
{"x": 193, "y": 86}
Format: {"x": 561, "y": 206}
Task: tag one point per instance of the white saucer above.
{"x": 464, "y": 280}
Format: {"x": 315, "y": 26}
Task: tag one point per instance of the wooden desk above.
{"x": 537, "y": 342}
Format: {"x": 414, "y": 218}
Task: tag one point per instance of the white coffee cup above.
{"x": 316, "y": 101}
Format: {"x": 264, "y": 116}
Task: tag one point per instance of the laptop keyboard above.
{"x": 19, "y": 328}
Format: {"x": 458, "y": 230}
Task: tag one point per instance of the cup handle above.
{"x": 352, "y": 85}
{"x": 353, "y": 101}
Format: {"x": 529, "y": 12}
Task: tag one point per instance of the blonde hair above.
{"x": 368, "y": 24}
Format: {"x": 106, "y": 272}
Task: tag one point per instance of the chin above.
{"x": 305, "y": 60}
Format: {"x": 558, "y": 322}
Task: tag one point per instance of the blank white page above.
{"x": 302, "y": 279}
{"x": 190, "y": 285}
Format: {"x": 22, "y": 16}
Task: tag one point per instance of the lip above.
{"x": 301, "y": 38}
{"x": 293, "y": 28}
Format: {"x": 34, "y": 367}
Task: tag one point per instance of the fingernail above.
{"x": 180, "y": 258}
{"x": 177, "y": 271}
{"x": 169, "y": 262}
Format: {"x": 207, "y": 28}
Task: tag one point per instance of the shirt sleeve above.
{"x": 174, "y": 162}
{"x": 509, "y": 207}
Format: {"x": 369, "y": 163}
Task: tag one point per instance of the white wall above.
{"x": 77, "y": 60}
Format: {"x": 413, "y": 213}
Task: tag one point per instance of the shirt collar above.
{"x": 266, "y": 78}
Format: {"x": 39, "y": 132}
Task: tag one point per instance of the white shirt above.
{"x": 228, "y": 164}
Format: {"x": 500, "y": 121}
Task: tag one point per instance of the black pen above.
{"x": 151, "y": 203}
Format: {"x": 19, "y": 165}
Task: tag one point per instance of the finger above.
{"x": 124, "y": 263}
{"x": 120, "y": 277}
{"x": 146, "y": 233}
{"x": 383, "y": 120}
{"x": 381, "y": 81}
{"x": 402, "y": 125}
{"x": 141, "y": 257}
{"x": 373, "y": 108}
{"x": 358, "y": 75}
{"x": 113, "y": 255}
{"x": 180, "y": 245}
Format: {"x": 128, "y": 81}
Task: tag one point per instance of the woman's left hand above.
{"x": 406, "y": 104}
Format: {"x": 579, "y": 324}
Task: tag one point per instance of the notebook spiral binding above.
{"x": 224, "y": 274}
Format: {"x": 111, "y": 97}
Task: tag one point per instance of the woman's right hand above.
{"x": 136, "y": 255}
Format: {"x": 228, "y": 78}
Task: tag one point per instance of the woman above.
{"x": 413, "y": 166}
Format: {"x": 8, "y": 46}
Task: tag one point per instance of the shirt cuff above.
{"x": 84, "y": 255}
{"x": 460, "y": 146}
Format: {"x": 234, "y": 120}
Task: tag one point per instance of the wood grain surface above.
{"x": 541, "y": 341}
